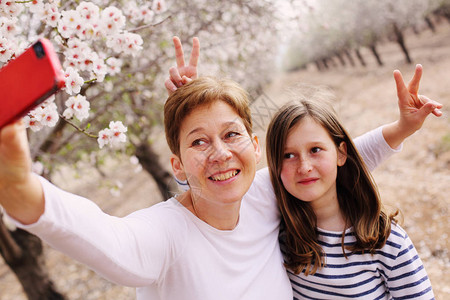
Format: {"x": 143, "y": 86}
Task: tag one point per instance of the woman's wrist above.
{"x": 24, "y": 201}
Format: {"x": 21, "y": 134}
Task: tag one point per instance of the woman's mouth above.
{"x": 224, "y": 176}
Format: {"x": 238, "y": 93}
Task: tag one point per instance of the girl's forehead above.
{"x": 308, "y": 127}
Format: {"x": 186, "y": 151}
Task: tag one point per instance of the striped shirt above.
{"x": 393, "y": 272}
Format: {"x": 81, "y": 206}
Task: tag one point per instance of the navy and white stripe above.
{"x": 393, "y": 272}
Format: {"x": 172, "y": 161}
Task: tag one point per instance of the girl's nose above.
{"x": 305, "y": 166}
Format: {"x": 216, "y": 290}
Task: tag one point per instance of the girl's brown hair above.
{"x": 357, "y": 193}
{"x": 199, "y": 92}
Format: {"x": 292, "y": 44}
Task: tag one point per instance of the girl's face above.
{"x": 217, "y": 155}
{"x": 310, "y": 163}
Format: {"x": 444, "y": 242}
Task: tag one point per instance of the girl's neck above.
{"x": 329, "y": 215}
{"x": 222, "y": 216}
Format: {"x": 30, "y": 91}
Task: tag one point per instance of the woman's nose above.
{"x": 220, "y": 151}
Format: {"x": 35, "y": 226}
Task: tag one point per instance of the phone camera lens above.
{"x": 39, "y": 50}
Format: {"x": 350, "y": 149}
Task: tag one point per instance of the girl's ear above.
{"x": 177, "y": 167}
{"x": 342, "y": 154}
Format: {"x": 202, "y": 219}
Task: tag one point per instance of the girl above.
{"x": 337, "y": 239}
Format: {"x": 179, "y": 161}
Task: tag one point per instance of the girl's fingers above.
{"x": 413, "y": 85}
{"x": 175, "y": 76}
{"x": 186, "y": 79}
{"x": 179, "y": 54}
{"x": 402, "y": 91}
{"x": 436, "y": 111}
{"x": 170, "y": 87}
{"x": 193, "y": 61}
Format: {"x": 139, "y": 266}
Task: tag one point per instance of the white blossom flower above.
{"x": 131, "y": 10}
{"x": 7, "y": 49}
{"x": 114, "y": 65}
{"x": 146, "y": 14}
{"x": 99, "y": 69}
{"x": 35, "y": 6}
{"x": 89, "y": 12}
{"x": 64, "y": 29}
{"x": 10, "y": 8}
{"x": 118, "y": 133}
{"x": 113, "y": 136}
{"x": 159, "y": 6}
{"x": 73, "y": 81}
{"x": 104, "y": 137}
{"x": 51, "y": 14}
{"x": 49, "y": 116}
{"x": 32, "y": 122}
{"x": 112, "y": 20}
{"x": 133, "y": 43}
{"x": 9, "y": 27}
{"x": 46, "y": 112}
{"x": 77, "y": 106}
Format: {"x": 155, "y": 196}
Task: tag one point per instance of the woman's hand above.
{"x": 21, "y": 193}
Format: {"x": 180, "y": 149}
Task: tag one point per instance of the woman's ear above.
{"x": 342, "y": 154}
{"x": 177, "y": 167}
{"x": 258, "y": 154}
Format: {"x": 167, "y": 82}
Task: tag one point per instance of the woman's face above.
{"x": 217, "y": 155}
{"x": 310, "y": 163}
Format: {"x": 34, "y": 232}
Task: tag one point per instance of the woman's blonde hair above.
{"x": 199, "y": 92}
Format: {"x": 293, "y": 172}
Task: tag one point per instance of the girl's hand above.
{"x": 182, "y": 74}
{"x": 414, "y": 108}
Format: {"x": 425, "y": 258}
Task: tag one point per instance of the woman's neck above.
{"x": 222, "y": 216}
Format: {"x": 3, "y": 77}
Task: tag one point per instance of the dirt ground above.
{"x": 416, "y": 180}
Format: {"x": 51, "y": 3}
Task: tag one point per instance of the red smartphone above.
{"x": 28, "y": 80}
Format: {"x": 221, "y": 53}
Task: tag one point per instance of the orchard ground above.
{"x": 416, "y": 180}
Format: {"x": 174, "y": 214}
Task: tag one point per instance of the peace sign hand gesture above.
{"x": 414, "y": 108}
{"x": 182, "y": 74}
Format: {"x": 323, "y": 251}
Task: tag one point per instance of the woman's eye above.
{"x": 315, "y": 150}
{"x": 232, "y": 134}
{"x": 198, "y": 142}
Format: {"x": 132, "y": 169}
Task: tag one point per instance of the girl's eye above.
{"x": 315, "y": 150}
{"x": 288, "y": 155}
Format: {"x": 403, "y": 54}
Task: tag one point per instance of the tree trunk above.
{"x": 401, "y": 41}
{"x": 22, "y": 252}
{"x": 341, "y": 59}
{"x": 430, "y": 24}
{"x": 318, "y": 66}
{"x": 374, "y": 50}
{"x": 331, "y": 62}
{"x": 149, "y": 160}
{"x": 360, "y": 58}
{"x": 349, "y": 57}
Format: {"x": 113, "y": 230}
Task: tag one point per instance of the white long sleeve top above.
{"x": 168, "y": 253}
